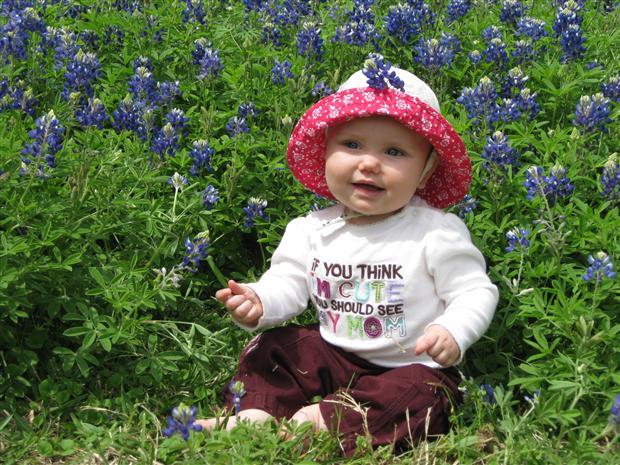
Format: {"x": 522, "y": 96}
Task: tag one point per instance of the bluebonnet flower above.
{"x": 15, "y": 34}
{"x": 207, "y": 58}
{"x": 608, "y": 6}
{"x": 130, "y": 6}
{"x": 177, "y": 119}
{"x": 572, "y": 41}
{"x": 14, "y": 38}
{"x": 489, "y": 394}
{"x": 309, "y": 41}
{"x": 496, "y": 51}
{"x": 201, "y": 154}
{"x": 491, "y": 32}
{"x": 321, "y": 89}
{"x": 405, "y": 21}
{"x": 507, "y": 110}
{"x": 467, "y": 205}
{"x": 456, "y": 9}
{"x": 17, "y": 97}
{"x": 593, "y": 64}
{"x": 567, "y": 14}
{"x": 177, "y": 181}
{"x": 133, "y": 116}
{"x": 526, "y": 101}
{"x": 182, "y": 421}
{"x": 80, "y": 74}
{"x": 359, "y": 27}
{"x": 601, "y": 267}
{"x": 63, "y": 42}
{"x": 210, "y": 196}
{"x": 142, "y": 62}
{"x": 285, "y": 12}
{"x": 475, "y": 56}
{"x": 113, "y": 36}
{"x": 514, "y": 81}
{"x": 92, "y": 113}
{"x": 237, "y": 389}
{"x": 435, "y": 54}
{"x": 524, "y": 51}
{"x": 194, "y": 10}
{"x": 237, "y": 125}
{"x": 256, "y": 207}
{"x": 517, "y": 239}
{"x": 271, "y": 33}
{"x": 552, "y": 187}
{"x": 254, "y": 5}
{"x": 614, "y": 412}
{"x": 532, "y": 28}
{"x": 196, "y": 250}
{"x": 247, "y": 110}
{"x": 610, "y": 178}
{"x": 167, "y": 91}
{"x": 143, "y": 86}
{"x": 152, "y": 27}
{"x": 611, "y": 89}
{"x": 567, "y": 26}
{"x": 280, "y": 72}
{"x": 498, "y": 153}
{"x": 592, "y": 113}
{"x": 479, "y": 101}
{"x": 166, "y": 141}
{"x": 377, "y": 70}
{"x": 90, "y": 39}
{"x": 47, "y": 140}
{"x": 9, "y": 6}
{"x": 512, "y": 11}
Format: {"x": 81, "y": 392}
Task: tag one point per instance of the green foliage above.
{"x": 102, "y": 330}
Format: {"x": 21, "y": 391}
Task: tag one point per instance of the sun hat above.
{"x": 415, "y": 106}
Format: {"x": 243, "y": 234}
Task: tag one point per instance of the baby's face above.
{"x": 374, "y": 165}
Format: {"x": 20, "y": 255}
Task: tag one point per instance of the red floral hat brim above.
{"x": 306, "y": 149}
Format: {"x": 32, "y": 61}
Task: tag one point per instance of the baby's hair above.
{"x": 430, "y": 162}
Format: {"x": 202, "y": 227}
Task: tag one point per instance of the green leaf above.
{"x": 97, "y": 276}
{"x": 557, "y": 385}
{"x": 77, "y": 331}
{"x": 106, "y": 344}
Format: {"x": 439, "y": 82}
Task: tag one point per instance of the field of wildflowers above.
{"x": 142, "y": 160}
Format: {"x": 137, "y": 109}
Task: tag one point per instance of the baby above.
{"x": 399, "y": 289}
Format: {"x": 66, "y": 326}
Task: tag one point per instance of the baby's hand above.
{"x": 439, "y": 344}
{"x": 241, "y": 302}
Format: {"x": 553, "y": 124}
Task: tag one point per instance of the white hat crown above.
{"x": 414, "y": 86}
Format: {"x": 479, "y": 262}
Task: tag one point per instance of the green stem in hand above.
{"x": 216, "y": 271}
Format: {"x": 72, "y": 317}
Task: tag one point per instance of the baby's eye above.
{"x": 351, "y": 144}
{"x": 394, "y": 152}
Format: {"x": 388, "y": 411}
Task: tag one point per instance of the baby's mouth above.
{"x": 367, "y": 187}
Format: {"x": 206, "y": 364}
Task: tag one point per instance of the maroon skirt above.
{"x": 287, "y": 368}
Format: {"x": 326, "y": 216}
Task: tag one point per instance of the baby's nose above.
{"x": 369, "y": 162}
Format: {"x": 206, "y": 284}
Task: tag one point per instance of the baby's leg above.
{"x": 252, "y": 415}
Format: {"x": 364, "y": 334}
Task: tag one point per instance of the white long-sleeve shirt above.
{"x": 376, "y": 287}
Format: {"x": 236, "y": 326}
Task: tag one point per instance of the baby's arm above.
{"x": 459, "y": 271}
{"x": 241, "y": 302}
{"x": 439, "y": 344}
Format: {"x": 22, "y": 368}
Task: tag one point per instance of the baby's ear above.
{"x": 429, "y": 169}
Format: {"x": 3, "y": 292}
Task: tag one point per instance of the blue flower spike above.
{"x": 238, "y": 390}
{"x": 377, "y": 70}
{"x": 614, "y": 416}
{"x": 601, "y": 267}
{"x": 182, "y": 421}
